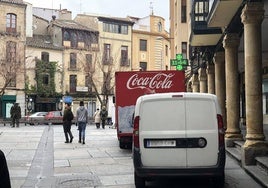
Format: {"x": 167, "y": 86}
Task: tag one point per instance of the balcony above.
{"x": 221, "y": 12}
{"x": 201, "y": 34}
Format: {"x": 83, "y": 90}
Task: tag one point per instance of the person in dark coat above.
{"x": 103, "y": 115}
{"x": 15, "y": 113}
{"x": 4, "y": 173}
{"x": 67, "y": 123}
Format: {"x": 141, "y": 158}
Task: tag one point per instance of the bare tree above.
{"x": 99, "y": 69}
{"x": 11, "y": 65}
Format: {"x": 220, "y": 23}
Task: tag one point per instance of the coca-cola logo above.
{"x": 156, "y": 81}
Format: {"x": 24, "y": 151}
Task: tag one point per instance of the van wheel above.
{"x": 139, "y": 181}
{"x": 219, "y": 181}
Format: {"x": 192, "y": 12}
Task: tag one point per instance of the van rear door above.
{"x": 201, "y": 122}
{"x": 162, "y": 123}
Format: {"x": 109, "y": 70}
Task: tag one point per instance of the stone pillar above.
{"x": 220, "y": 88}
{"x": 203, "y": 80}
{"x": 211, "y": 78}
{"x": 195, "y": 83}
{"x": 255, "y": 145}
{"x": 233, "y": 132}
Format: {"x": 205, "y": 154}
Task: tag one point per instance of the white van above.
{"x": 178, "y": 134}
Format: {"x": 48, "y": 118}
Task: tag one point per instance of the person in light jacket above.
{"x": 82, "y": 120}
{"x": 97, "y": 118}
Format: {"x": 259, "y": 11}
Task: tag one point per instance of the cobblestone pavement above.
{"x": 37, "y": 157}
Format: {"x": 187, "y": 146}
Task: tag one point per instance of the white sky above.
{"x": 116, "y": 8}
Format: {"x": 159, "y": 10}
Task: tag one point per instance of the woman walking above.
{"x": 67, "y": 123}
{"x": 97, "y": 118}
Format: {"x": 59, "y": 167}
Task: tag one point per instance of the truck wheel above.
{"x": 121, "y": 145}
{"x": 139, "y": 181}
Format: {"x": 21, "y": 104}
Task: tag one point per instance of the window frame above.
{"x": 11, "y": 23}
{"x": 143, "y": 45}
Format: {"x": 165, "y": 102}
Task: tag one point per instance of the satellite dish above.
{"x": 34, "y": 27}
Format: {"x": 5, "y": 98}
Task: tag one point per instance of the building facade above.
{"x": 12, "y": 55}
{"x": 151, "y": 44}
{"x": 115, "y": 54}
{"x": 228, "y": 56}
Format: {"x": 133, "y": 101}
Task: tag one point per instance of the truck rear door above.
{"x": 201, "y": 122}
{"x": 162, "y": 131}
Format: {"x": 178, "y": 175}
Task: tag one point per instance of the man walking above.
{"x": 103, "y": 115}
{"x": 15, "y": 113}
{"x": 82, "y": 120}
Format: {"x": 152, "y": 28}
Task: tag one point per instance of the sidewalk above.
{"x": 37, "y": 157}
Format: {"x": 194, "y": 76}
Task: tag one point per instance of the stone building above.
{"x": 115, "y": 54}
{"x": 228, "y": 57}
{"x": 151, "y": 44}
{"x": 12, "y": 55}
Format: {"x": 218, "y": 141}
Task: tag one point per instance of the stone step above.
{"x": 262, "y": 162}
{"x": 235, "y": 153}
{"x": 238, "y": 144}
{"x": 258, "y": 174}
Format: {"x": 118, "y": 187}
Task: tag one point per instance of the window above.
{"x": 183, "y": 11}
{"x": 74, "y": 40}
{"x": 184, "y": 49}
{"x": 45, "y": 56}
{"x": 11, "y": 52}
{"x": 45, "y": 79}
{"x": 73, "y": 57}
{"x": 143, "y": 66}
{"x": 11, "y": 23}
{"x": 89, "y": 59}
{"x": 88, "y": 65}
{"x": 166, "y": 50}
{"x": 88, "y": 81}
{"x": 73, "y": 80}
{"x": 124, "y": 56}
{"x": 159, "y": 27}
{"x": 66, "y": 36}
{"x": 106, "y": 88}
{"x": 143, "y": 45}
{"x": 201, "y": 10}
{"x": 106, "y": 54}
{"x": 115, "y": 28}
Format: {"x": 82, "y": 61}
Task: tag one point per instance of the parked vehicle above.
{"x": 178, "y": 134}
{"x": 54, "y": 117}
{"x": 36, "y": 118}
{"x": 132, "y": 84}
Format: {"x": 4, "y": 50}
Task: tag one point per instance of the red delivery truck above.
{"x": 132, "y": 84}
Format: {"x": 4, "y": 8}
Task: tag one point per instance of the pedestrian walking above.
{"x": 67, "y": 123}
{"x": 103, "y": 115}
{"x": 82, "y": 120}
{"x": 4, "y": 173}
{"x": 97, "y": 118}
{"x": 15, "y": 113}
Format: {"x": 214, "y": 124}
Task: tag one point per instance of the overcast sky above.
{"x": 117, "y": 8}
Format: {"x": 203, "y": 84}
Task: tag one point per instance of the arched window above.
{"x": 11, "y": 23}
{"x": 66, "y": 36}
{"x": 159, "y": 27}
